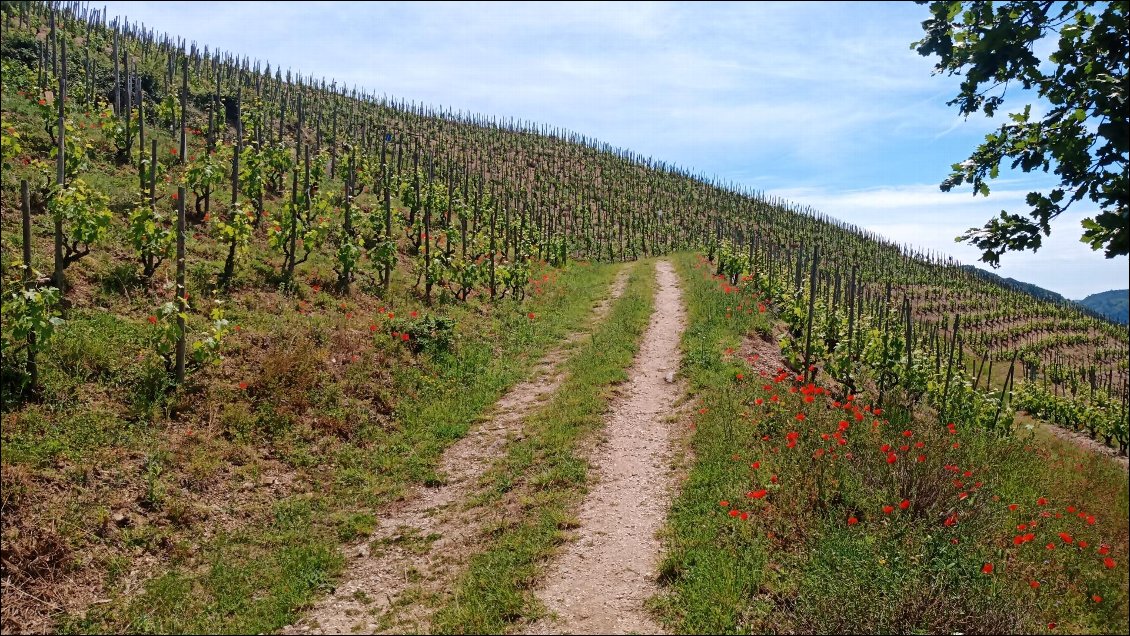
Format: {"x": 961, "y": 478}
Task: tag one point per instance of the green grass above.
{"x": 353, "y": 439}
{"x": 796, "y": 564}
{"x": 542, "y": 478}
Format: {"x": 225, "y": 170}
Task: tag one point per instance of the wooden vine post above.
{"x": 182, "y": 294}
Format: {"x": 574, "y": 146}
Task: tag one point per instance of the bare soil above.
{"x": 423, "y": 542}
{"x": 599, "y": 584}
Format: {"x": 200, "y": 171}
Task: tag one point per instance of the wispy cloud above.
{"x": 922, "y": 216}
{"x": 826, "y": 101}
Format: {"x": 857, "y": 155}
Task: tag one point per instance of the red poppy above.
{"x": 904, "y": 504}
{"x": 153, "y": 320}
{"x": 1034, "y": 584}
{"x": 888, "y": 509}
{"x": 724, "y": 503}
{"x": 1096, "y": 598}
{"x": 530, "y": 315}
{"x": 891, "y": 458}
{"x": 1104, "y": 549}
{"x": 734, "y": 513}
{"x": 921, "y": 458}
{"x": 987, "y": 568}
{"x": 755, "y": 465}
{"x": 852, "y": 521}
{"x": 1109, "y": 563}
{"x": 243, "y": 386}
{"x": 1042, "y": 501}
{"x": 758, "y": 494}
{"x": 1066, "y": 537}
{"x": 404, "y": 337}
{"x": 1013, "y": 507}
{"x": 907, "y": 433}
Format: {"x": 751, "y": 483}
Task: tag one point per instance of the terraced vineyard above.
{"x": 246, "y": 312}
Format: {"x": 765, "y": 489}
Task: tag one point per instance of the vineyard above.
{"x": 245, "y": 310}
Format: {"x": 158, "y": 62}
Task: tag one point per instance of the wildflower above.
{"x": 734, "y": 513}
{"x": 243, "y": 386}
{"x": 1109, "y": 563}
{"x": 530, "y": 315}
{"x": 724, "y": 503}
{"x": 1066, "y": 537}
{"x": 758, "y": 494}
{"x": 1042, "y": 501}
{"x": 1096, "y": 598}
{"x": 153, "y": 320}
{"x": 987, "y": 568}
{"x": 888, "y": 509}
{"x": 1034, "y": 584}
{"x": 852, "y": 521}
{"x": 891, "y": 458}
{"x": 1012, "y": 507}
{"x": 1104, "y": 549}
{"x": 904, "y": 504}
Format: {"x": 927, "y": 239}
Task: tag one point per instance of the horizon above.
{"x": 860, "y": 133}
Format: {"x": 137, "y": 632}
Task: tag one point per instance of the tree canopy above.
{"x": 1074, "y": 55}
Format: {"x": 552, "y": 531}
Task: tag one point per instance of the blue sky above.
{"x": 825, "y": 104}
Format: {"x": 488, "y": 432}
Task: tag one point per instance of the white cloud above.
{"x": 923, "y": 216}
{"x": 823, "y": 101}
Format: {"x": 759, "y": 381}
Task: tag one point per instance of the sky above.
{"x": 825, "y": 104}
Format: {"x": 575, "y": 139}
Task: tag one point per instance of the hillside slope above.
{"x": 1114, "y": 304}
{"x": 362, "y": 279}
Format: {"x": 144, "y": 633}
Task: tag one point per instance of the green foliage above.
{"x": 1084, "y": 136}
{"x": 151, "y": 235}
{"x": 85, "y": 214}
{"x": 25, "y": 312}
{"x": 206, "y": 351}
{"x": 205, "y": 173}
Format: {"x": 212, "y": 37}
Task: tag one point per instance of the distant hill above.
{"x": 1028, "y": 288}
{"x": 1114, "y": 304}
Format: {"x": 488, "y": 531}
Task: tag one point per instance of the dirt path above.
{"x": 421, "y": 544}
{"x": 600, "y": 582}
